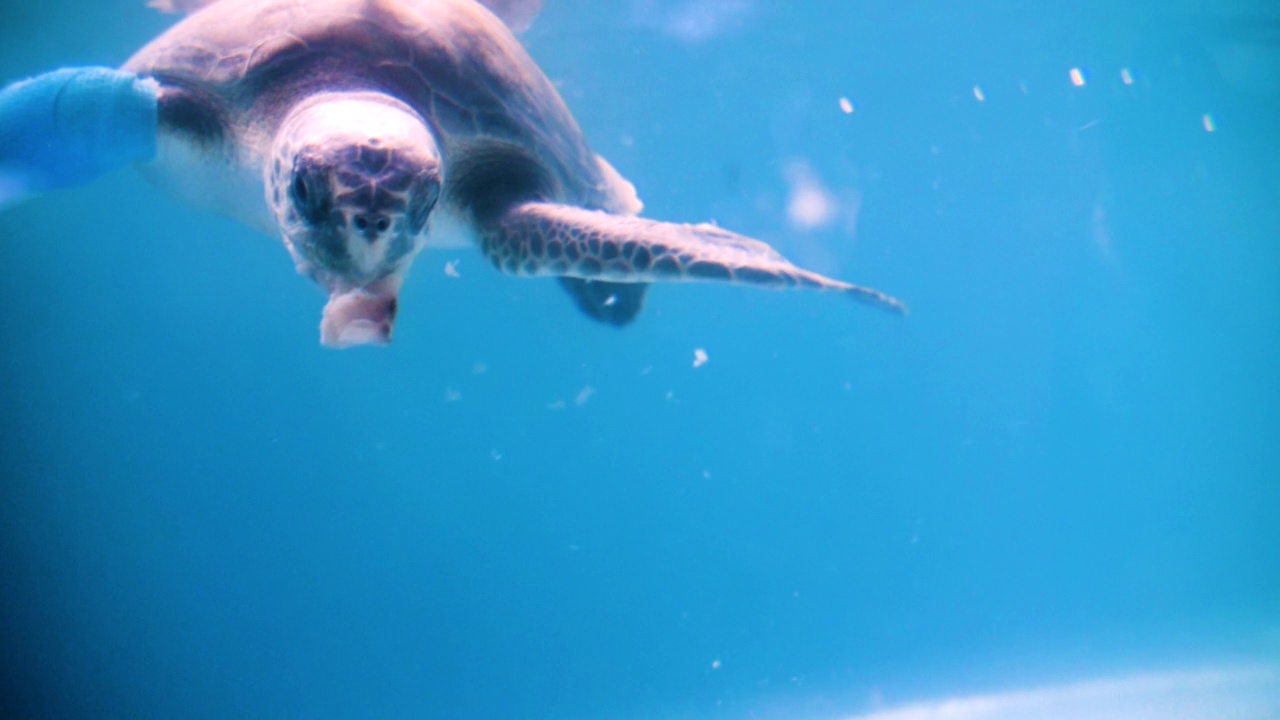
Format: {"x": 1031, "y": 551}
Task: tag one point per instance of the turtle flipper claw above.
{"x": 68, "y": 126}
{"x": 548, "y": 239}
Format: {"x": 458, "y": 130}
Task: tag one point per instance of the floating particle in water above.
{"x": 1125, "y": 76}
{"x": 1207, "y": 122}
{"x": 699, "y": 357}
{"x": 451, "y": 395}
{"x": 811, "y": 205}
{"x": 977, "y": 93}
{"x": 1077, "y": 77}
{"x": 556, "y": 405}
{"x": 611, "y": 300}
{"x": 479, "y": 368}
{"x": 451, "y": 268}
{"x": 845, "y": 106}
{"x": 715, "y": 664}
{"x": 584, "y": 395}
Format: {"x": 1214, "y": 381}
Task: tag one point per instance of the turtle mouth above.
{"x": 363, "y": 315}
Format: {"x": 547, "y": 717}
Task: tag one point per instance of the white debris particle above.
{"x": 715, "y": 664}
{"x": 495, "y": 454}
{"x": 699, "y": 357}
{"x": 977, "y": 93}
{"x": 556, "y": 405}
{"x": 451, "y": 268}
{"x": 1207, "y": 122}
{"x": 451, "y": 395}
{"x": 584, "y": 395}
{"x": 1077, "y": 77}
{"x": 706, "y": 474}
{"x": 845, "y": 106}
{"x": 1125, "y": 76}
{"x": 609, "y": 301}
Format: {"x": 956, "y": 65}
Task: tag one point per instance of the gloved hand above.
{"x": 68, "y": 126}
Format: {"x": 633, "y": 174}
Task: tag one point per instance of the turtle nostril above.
{"x": 371, "y": 225}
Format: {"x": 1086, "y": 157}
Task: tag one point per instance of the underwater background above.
{"x": 1064, "y": 466}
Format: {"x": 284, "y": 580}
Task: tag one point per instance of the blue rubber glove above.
{"x": 67, "y": 127}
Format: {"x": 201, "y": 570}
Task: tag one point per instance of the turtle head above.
{"x": 352, "y": 183}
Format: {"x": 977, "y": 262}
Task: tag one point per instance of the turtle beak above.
{"x": 361, "y": 315}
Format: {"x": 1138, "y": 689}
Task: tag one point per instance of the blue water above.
{"x": 1062, "y": 465}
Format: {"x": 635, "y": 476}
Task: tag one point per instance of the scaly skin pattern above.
{"x": 540, "y": 239}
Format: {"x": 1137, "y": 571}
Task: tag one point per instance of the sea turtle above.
{"x": 361, "y": 131}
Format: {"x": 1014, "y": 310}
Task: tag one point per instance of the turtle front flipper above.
{"x": 541, "y": 239}
{"x": 67, "y": 127}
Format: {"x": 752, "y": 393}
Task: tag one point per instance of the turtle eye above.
{"x": 308, "y": 192}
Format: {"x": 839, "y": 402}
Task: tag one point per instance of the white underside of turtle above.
{"x": 360, "y": 132}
